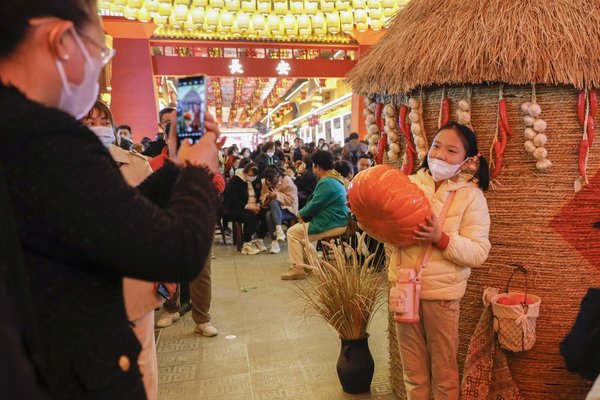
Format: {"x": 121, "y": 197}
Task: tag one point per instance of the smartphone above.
{"x": 191, "y": 106}
{"x": 162, "y": 290}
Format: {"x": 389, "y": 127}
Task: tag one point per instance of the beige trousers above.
{"x": 144, "y": 330}
{"x": 201, "y": 294}
{"x": 295, "y": 236}
{"x": 428, "y": 350}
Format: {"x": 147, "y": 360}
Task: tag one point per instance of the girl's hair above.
{"x": 469, "y": 141}
{"x": 17, "y": 13}
{"x": 343, "y": 167}
{"x": 251, "y": 167}
{"x": 104, "y": 111}
{"x": 272, "y": 173}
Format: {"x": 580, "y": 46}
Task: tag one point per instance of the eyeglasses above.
{"x": 106, "y": 53}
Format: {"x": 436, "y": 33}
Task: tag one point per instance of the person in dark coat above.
{"x": 20, "y": 358}
{"x": 266, "y": 157}
{"x": 74, "y": 210}
{"x": 306, "y": 181}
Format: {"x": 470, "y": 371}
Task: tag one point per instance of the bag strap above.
{"x": 427, "y": 251}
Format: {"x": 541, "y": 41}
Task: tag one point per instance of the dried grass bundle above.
{"x": 445, "y": 42}
{"x": 344, "y": 291}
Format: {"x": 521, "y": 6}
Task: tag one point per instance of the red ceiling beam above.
{"x": 252, "y": 67}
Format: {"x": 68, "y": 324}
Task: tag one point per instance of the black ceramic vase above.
{"x": 355, "y": 366}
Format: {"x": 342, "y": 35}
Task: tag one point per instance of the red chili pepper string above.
{"x": 593, "y": 102}
{"x": 504, "y": 117}
{"x": 581, "y": 107}
{"x": 381, "y": 146}
{"x": 584, "y": 151}
{"x": 445, "y": 110}
{"x": 591, "y": 129}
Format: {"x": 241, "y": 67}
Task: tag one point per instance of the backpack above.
{"x": 355, "y": 153}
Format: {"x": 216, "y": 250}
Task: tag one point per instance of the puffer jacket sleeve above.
{"x": 470, "y": 247}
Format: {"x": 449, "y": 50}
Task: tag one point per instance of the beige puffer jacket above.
{"x": 467, "y": 224}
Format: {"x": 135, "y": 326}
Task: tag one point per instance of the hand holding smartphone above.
{"x": 191, "y": 108}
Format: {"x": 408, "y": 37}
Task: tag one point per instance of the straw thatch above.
{"x": 440, "y": 42}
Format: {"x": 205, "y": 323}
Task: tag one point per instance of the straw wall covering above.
{"x": 532, "y": 226}
{"x": 437, "y": 42}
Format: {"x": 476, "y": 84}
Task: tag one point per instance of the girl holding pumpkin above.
{"x": 428, "y": 348}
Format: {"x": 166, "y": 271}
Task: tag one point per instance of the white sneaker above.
{"x": 167, "y": 319}
{"x": 260, "y": 245}
{"x": 274, "y": 248}
{"x": 279, "y": 235}
{"x": 206, "y": 329}
{"x": 249, "y": 249}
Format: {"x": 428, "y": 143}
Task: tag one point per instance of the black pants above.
{"x": 248, "y": 219}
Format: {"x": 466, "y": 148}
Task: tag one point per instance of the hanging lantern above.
{"x": 160, "y": 20}
{"x": 280, "y": 7}
{"x": 212, "y": 20}
{"x": 290, "y": 25}
{"x": 152, "y": 5}
{"x": 341, "y": 5}
{"x": 135, "y": 4}
{"x": 297, "y": 7}
{"x": 218, "y": 4}
{"x": 327, "y": 6}
{"x": 359, "y": 4}
{"x": 226, "y": 21}
{"x": 311, "y": 7}
{"x": 249, "y": 6}
{"x": 347, "y": 21}
{"x": 304, "y": 25}
{"x": 263, "y": 6}
{"x": 184, "y": 2}
{"x": 115, "y": 8}
{"x": 161, "y": 1}
{"x": 180, "y": 13}
{"x": 143, "y": 15}
{"x": 165, "y": 9}
{"x": 251, "y": 33}
{"x": 361, "y": 20}
{"x": 375, "y": 18}
{"x": 333, "y": 22}
{"x": 319, "y": 24}
{"x": 243, "y": 22}
{"x": 197, "y": 15}
{"x": 200, "y": 3}
{"x": 373, "y": 4}
{"x": 174, "y": 22}
{"x": 273, "y": 22}
{"x": 258, "y": 22}
{"x": 388, "y": 4}
{"x": 232, "y": 5}
{"x": 130, "y": 13}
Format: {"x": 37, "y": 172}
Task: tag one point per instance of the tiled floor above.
{"x": 266, "y": 348}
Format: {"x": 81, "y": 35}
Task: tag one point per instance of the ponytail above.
{"x": 483, "y": 174}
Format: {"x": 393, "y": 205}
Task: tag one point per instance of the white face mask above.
{"x": 251, "y": 178}
{"x": 77, "y": 100}
{"x": 441, "y": 170}
{"x": 270, "y": 153}
{"x": 105, "y": 134}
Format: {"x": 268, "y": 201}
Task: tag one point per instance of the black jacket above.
{"x": 20, "y": 357}
{"x": 306, "y": 183}
{"x": 155, "y": 148}
{"x": 263, "y": 160}
{"x": 73, "y": 212}
{"x": 236, "y": 194}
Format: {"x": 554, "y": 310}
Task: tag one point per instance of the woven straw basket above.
{"x": 532, "y": 227}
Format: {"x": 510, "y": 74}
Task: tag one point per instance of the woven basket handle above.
{"x": 518, "y": 268}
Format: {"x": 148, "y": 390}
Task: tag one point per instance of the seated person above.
{"x": 241, "y": 202}
{"x": 344, "y": 168}
{"x": 279, "y": 199}
{"x": 326, "y": 210}
{"x": 306, "y": 181}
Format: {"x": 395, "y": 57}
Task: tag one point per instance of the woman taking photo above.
{"x": 73, "y": 208}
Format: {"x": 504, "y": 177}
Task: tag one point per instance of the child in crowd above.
{"x": 428, "y": 348}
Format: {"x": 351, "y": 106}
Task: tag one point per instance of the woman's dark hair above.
{"x": 343, "y": 167}
{"x": 322, "y": 159}
{"x": 244, "y": 161}
{"x": 307, "y": 162}
{"x": 17, "y": 13}
{"x": 272, "y": 174}
{"x": 268, "y": 146}
{"x": 244, "y": 149}
{"x": 251, "y": 167}
{"x": 469, "y": 141}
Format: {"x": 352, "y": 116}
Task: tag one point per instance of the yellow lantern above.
{"x": 165, "y": 9}
{"x": 290, "y": 25}
{"x": 347, "y": 21}
{"x": 388, "y": 12}
{"x": 263, "y": 6}
{"x": 160, "y": 20}
{"x": 199, "y": 3}
{"x": 258, "y": 22}
{"x": 212, "y": 20}
{"x": 297, "y": 7}
{"x": 181, "y": 13}
{"x": 375, "y": 13}
{"x": 235, "y": 28}
{"x": 250, "y": 33}
{"x": 174, "y": 22}
{"x": 361, "y": 20}
{"x": 374, "y": 4}
{"x": 359, "y": 4}
{"x": 273, "y": 22}
{"x": 249, "y": 6}
{"x": 333, "y": 22}
{"x": 327, "y": 6}
{"x": 165, "y": 2}
{"x": 135, "y": 4}
{"x": 130, "y": 13}
{"x": 341, "y": 5}
{"x": 232, "y": 5}
{"x": 226, "y": 20}
{"x": 116, "y": 8}
{"x": 243, "y": 22}
{"x": 319, "y": 24}
{"x": 280, "y": 7}
{"x": 218, "y": 4}
{"x": 122, "y": 3}
{"x": 151, "y": 5}
{"x": 304, "y": 25}
{"x": 311, "y": 7}
{"x": 388, "y": 4}
{"x": 376, "y": 24}
{"x": 189, "y": 23}
{"x": 197, "y": 15}
{"x": 144, "y": 15}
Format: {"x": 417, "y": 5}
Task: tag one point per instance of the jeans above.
{"x": 272, "y": 217}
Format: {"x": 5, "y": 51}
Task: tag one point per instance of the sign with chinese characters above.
{"x": 283, "y": 68}
{"x": 236, "y": 67}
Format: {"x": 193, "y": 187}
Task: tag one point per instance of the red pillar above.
{"x": 133, "y": 94}
{"x": 357, "y": 120}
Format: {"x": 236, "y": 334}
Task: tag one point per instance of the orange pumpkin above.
{"x": 387, "y": 205}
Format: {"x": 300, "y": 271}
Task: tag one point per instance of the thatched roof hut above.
{"x": 484, "y": 50}
{"x": 446, "y": 42}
